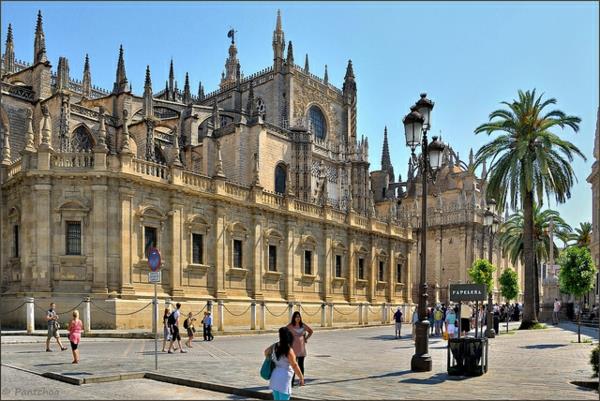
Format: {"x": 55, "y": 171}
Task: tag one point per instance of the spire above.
{"x": 166, "y": 90}
{"x": 386, "y": 163}
{"x": 200, "y": 91}
{"x": 290, "y": 55}
{"x": 101, "y": 131}
{"x": 187, "y": 95}
{"x": 250, "y": 106}
{"x": 39, "y": 43}
{"x": 46, "y": 129}
{"x": 29, "y": 145}
{"x": 349, "y": 88}
{"x": 125, "y": 141}
{"x": 86, "y": 82}
{"x": 471, "y": 158}
{"x": 6, "y": 150}
{"x": 216, "y": 118}
{"x": 484, "y": 171}
{"x": 9, "y": 53}
{"x": 278, "y": 44}
{"x": 326, "y": 76}
{"x": 171, "y": 94}
{"x": 62, "y": 74}
{"x": 121, "y": 84}
{"x": 306, "y": 69}
{"x": 148, "y": 98}
{"x": 232, "y": 68}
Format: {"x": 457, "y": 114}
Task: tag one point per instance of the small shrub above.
{"x": 594, "y": 360}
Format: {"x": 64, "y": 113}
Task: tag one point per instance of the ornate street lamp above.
{"x": 416, "y": 125}
{"x": 491, "y": 221}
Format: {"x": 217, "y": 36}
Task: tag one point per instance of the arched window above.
{"x": 159, "y": 155}
{"x": 317, "y": 122}
{"x": 81, "y": 139}
{"x": 280, "y": 177}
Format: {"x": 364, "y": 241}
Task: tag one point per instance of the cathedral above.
{"x": 259, "y": 191}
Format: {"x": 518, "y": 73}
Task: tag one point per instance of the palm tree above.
{"x": 583, "y": 235}
{"x": 511, "y": 238}
{"x": 528, "y": 161}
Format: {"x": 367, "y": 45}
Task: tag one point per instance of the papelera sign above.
{"x": 467, "y": 292}
{"x": 154, "y": 260}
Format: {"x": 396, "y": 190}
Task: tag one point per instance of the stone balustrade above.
{"x": 72, "y": 160}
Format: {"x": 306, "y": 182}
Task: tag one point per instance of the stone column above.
{"x": 126, "y": 239}
{"x": 438, "y": 266}
{"x": 373, "y": 269}
{"x": 410, "y": 265}
{"x": 383, "y": 313}
{"x": 391, "y": 286}
{"x": 220, "y": 250}
{"x": 253, "y": 315}
{"x": 42, "y": 268}
{"x": 323, "y": 315}
{"x": 263, "y": 316}
{"x": 327, "y": 295}
{"x": 360, "y": 313}
{"x": 290, "y": 244}
{"x": 176, "y": 216}
{"x": 100, "y": 238}
{"x": 462, "y": 254}
{"x": 221, "y": 316}
{"x": 87, "y": 316}
{"x": 351, "y": 260}
{"x": 30, "y": 311}
{"x": 257, "y": 256}
{"x": 331, "y": 315}
{"x": 366, "y": 310}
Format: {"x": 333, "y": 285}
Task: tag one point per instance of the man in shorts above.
{"x": 398, "y": 321}
{"x": 53, "y": 326}
{"x": 174, "y": 327}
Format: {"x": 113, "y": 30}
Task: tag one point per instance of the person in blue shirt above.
{"x": 398, "y": 320}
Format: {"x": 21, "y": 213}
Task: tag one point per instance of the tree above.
{"x": 582, "y": 235}
{"x": 527, "y": 162}
{"x": 509, "y": 286}
{"x": 511, "y": 238}
{"x": 577, "y": 275}
{"x": 482, "y": 272}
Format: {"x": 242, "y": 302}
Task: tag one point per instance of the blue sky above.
{"x": 468, "y": 56}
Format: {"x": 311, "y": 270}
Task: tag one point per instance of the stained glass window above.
{"x": 317, "y": 122}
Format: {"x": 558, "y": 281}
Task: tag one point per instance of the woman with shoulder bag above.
{"x": 301, "y": 333}
{"x": 284, "y": 359}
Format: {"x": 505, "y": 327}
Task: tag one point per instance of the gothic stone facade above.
{"x": 257, "y": 191}
{"x": 594, "y": 180}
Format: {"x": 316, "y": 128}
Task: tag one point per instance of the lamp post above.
{"x": 416, "y": 124}
{"x": 491, "y": 221}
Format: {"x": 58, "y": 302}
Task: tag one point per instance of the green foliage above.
{"x": 582, "y": 235}
{"x": 509, "y": 284}
{"x": 577, "y": 271}
{"x": 538, "y": 326}
{"x": 482, "y": 272}
{"x": 594, "y": 360}
{"x": 511, "y": 233}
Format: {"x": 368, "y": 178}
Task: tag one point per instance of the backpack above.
{"x": 171, "y": 320}
{"x": 186, "y": 324}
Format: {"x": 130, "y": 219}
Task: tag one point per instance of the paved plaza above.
{"x": 366, "y": 363}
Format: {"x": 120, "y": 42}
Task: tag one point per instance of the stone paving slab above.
{"x": 363, "y": 363}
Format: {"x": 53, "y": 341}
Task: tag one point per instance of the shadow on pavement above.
{"x": 53, "y": 364}
{"x": 390, "y": 374}
{"x": 435, "y": 379}
{"x": 543, "y": 346}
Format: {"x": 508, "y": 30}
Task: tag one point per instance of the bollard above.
{"x": 87, "y": 315}
{"x": 29, "y": 310}
{"x": 253, "y": 315}
{"x": 290, "y": 311}
{"x": 383, "y": 314}
{"x": 263, "y": 316}
{"x": 366, "y": 309}
{"x": 360, "y": 313}
{"x": 323, "y": 315}
{"x": 331, "y": 315}
{"x": 221, "y": 315}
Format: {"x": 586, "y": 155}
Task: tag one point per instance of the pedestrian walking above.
{"x": 555, "y": 311}
{"x": 53, "y": 327}
{"x": 207, "y": 325}
{"x": 188, "y": 324}
{"x": 75, "y": 328}
{"x": 301, "y": 332}
{"x": 398, "y": 320}
{"x": 466, "y": 312}
{"x": 438, "y": 317}
{"x": 166, "y": 331}
{"x": 282, "y": 354}
{"x": 450, "y": 322}
{"x": 174, "y": 328}
{"x": 431, "y": 320}
{"x": 414, "y": 320}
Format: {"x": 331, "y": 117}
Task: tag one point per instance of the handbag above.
{"x": 56, "y": 325}
{"x": 267, "y": 366}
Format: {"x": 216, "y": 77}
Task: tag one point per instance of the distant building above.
{"x": 594, "y": 180}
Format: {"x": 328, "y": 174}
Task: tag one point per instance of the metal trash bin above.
{"x": 467, "y": 356}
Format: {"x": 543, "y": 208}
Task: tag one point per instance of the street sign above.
{"x": 154, "y": 277}
{"x": 468, "y": 292}
{"x": 154, "y": 260}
